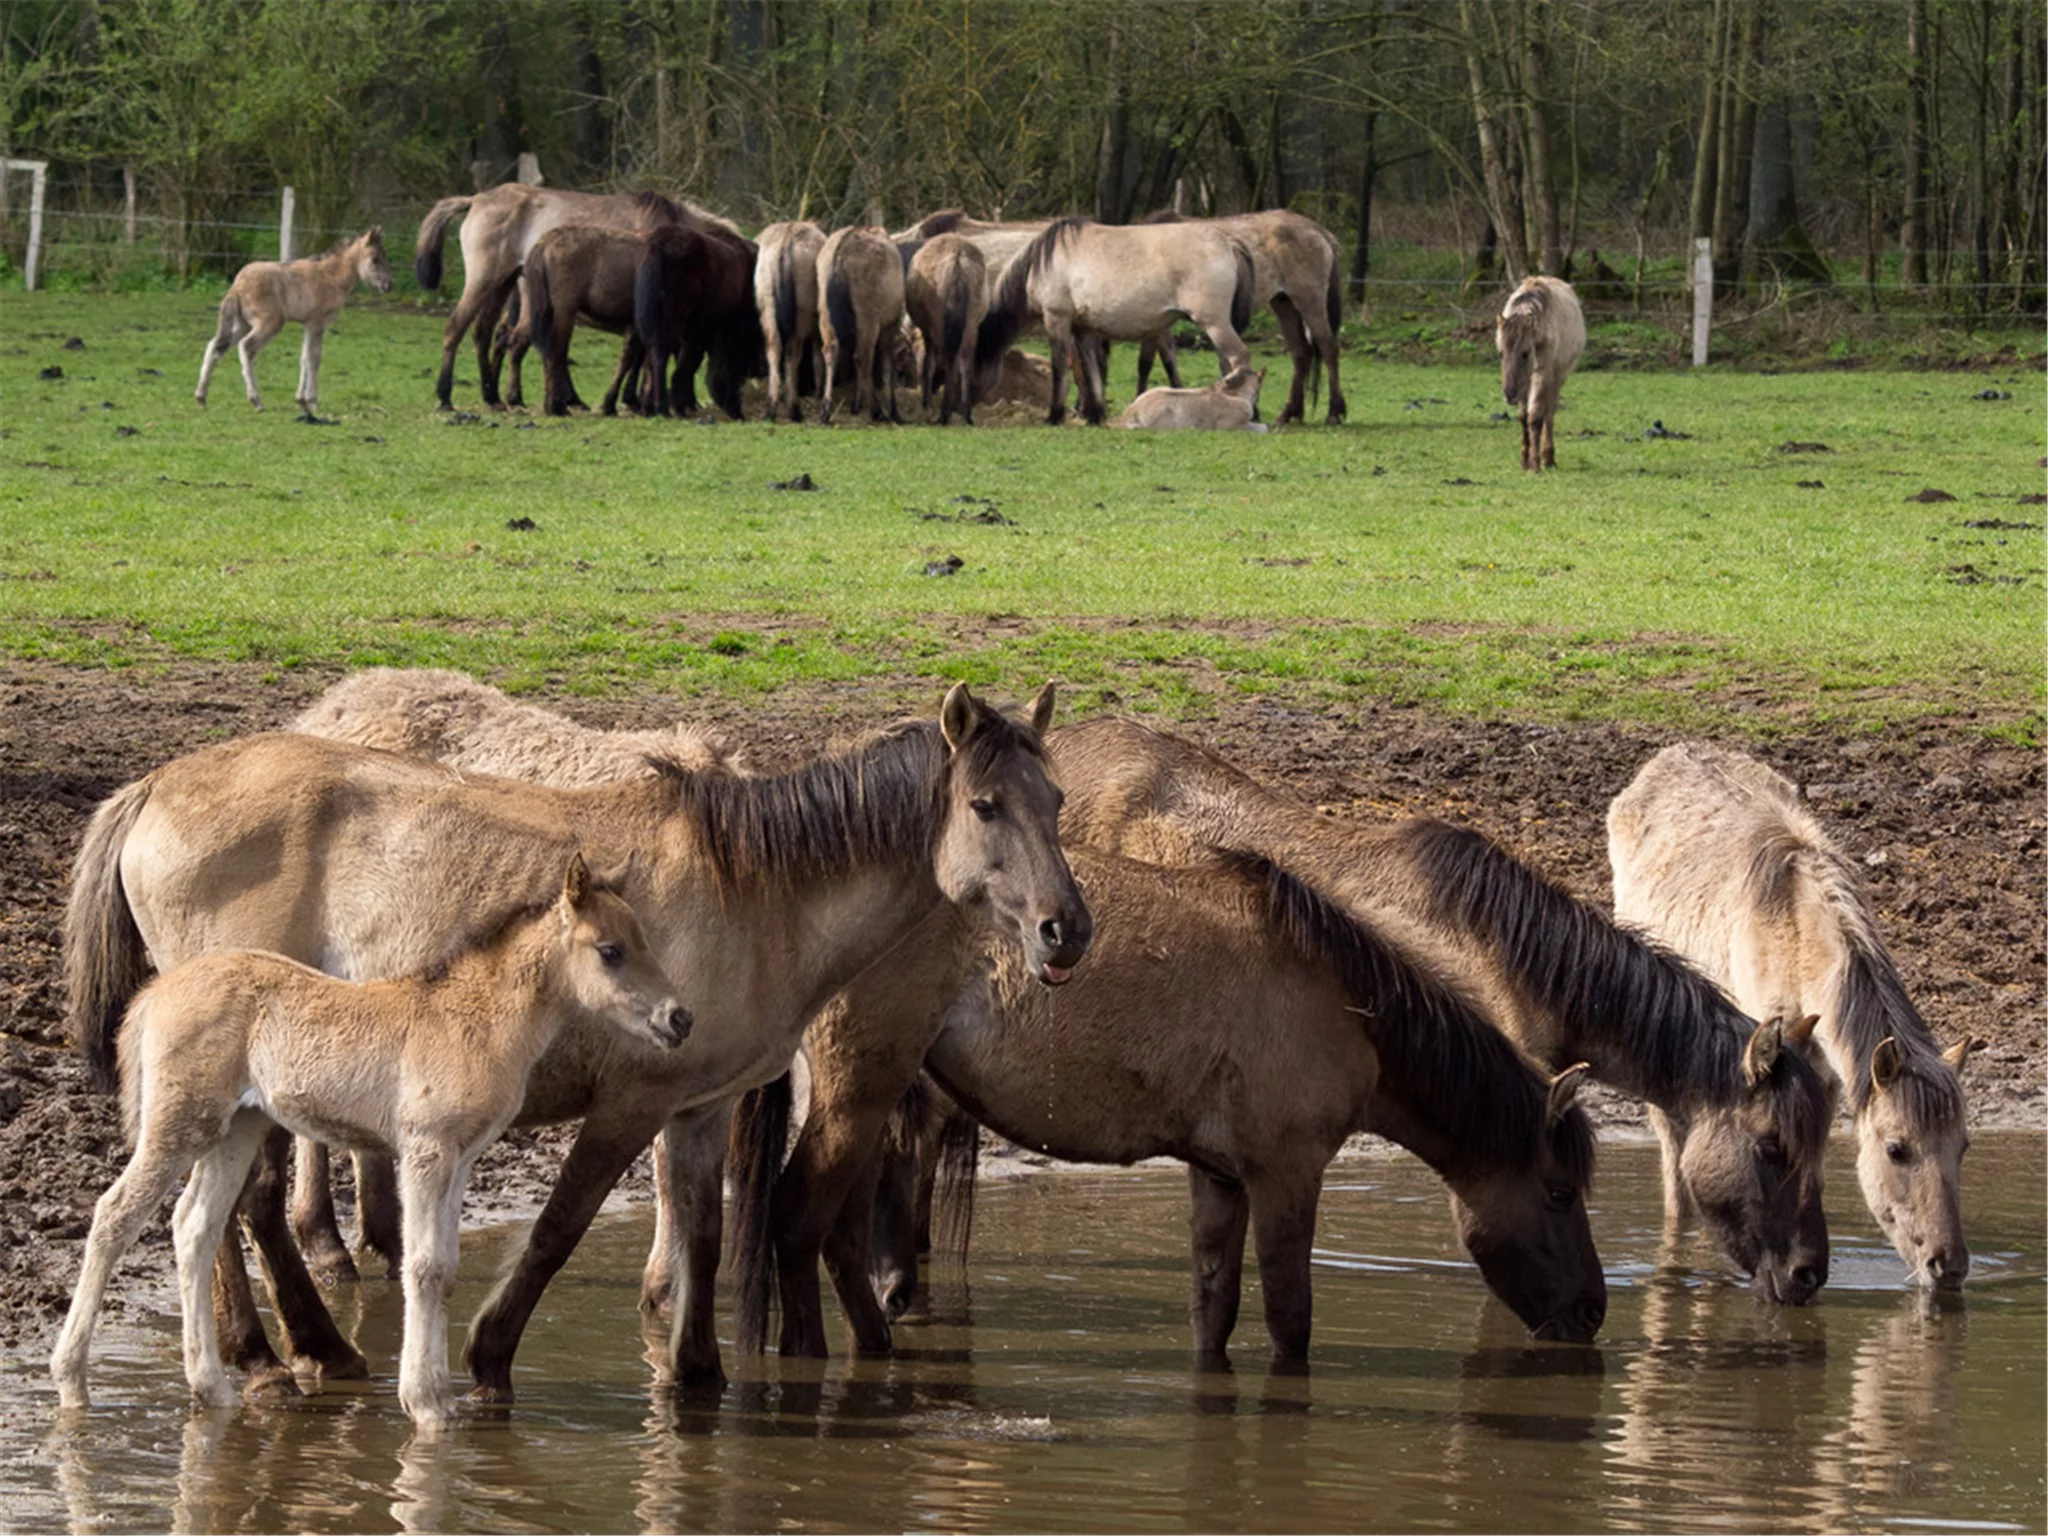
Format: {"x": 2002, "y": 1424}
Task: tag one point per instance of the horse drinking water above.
{"x": 432, "y": 1068}
{"x": 265, "y": 294}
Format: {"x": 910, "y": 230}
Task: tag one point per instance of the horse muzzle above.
{"x": 672, "y": 1024}
{"x": 1059, "y": 946}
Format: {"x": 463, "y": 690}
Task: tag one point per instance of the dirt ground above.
{"x": 1949, "y": 831}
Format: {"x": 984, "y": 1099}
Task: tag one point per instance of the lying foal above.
{"x": 432, "y": 1067}
{"x": 1228, "y": 405}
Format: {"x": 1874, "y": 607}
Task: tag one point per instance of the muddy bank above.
{"x": 1949, "y": 832}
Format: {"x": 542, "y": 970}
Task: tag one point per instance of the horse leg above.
{"x": 308, "y": 1326}
{"x": 689, "y": 1163}
{"x": 830, "y": 368}
{"x": 1549, "y": 430}
{"x": 488, "y": 357}
{"x": 630, "y": 354}
{"x": 1061, "y": 335}
{"x": 117, "y": 1221}
{"x": 467, "y": 309}
{"x": 309, "y": 369}
{"x": 1284, "y": 1229}
{"x": 315, "y": 1227}
{"x": 605, "y": 1147}
{"x": 516, "y": 349}
{"x": 379, "y": 1220}
{"x": 1169, "y": 357}
{"x": 430, "y": 1177}
{"x": 253, "y": 341}
{"x": 1231, "y": 352}
{"x": 885, "y": 381}
{"x": 1221, "y": 1210}
{"x": 230, "y": 330}
{"x": 197, "y": 1225}
{"x": 1294, "y": 329}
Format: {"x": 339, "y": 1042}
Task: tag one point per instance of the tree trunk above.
{"x": 1504, "y": 207}
{"x": 1706, "y": 153}
{"x": 1361, "y": 253}
{"x": 1116, "y": 133}
{"x": 1738, "y": 123}
{"x": 1913, "y": 222}
{"x": 1776, "y": 245}
{"x": 1540, "y": 183}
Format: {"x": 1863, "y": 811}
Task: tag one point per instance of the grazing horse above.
{"x": 860, "y": 275}
{"x": 1230, "y": 1017}
{"x": 786, "y": 294}
{"x": 265, "y": 294}
{"x": 499, "y": 228}
{"x": 1229, "y": 405}
{"x": 946, "y": 294}
{"x": 433, "y": 1068}
{"x": 1714, "y": 855}
{"x": 761, "y": 895}
{"x": 452, "y": 718}
{"x": 1118, "y": 282}
{"x": 694, "y": 298}
{"x": 1748, "y": 1117}
{"x": 574, "y": 272}
{"x": 1539, "y": 337}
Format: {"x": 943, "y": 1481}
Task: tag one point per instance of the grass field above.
{"x": 1710, "y": 577}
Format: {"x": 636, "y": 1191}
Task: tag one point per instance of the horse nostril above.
{"x": 1806, "y": 1280}
{"x": 680, "y": 1023}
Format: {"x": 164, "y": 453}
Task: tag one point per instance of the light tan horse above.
{"x": 946, "y": 294}
{"x": 860, "y": 276}
{"x": 1749, "y": 1117}
{"x": 1714, "y": 855}
{"x": 1086, "y": 281}
{"x": 266, "y": 294}
{"x": 1228, "y": 405}
{"x": 786, "y": 293}
{"x": 1539, "y": 336}
{"x": 761, "y": 895}
{"x": 499, "y": 228}
{"x": 431, "y": 1068}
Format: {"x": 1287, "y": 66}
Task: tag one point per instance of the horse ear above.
{"x": 1564, "y": 1089}
{"x": 576, "y": 881}
{"x": 959, "y": 716}
{"x": 1761, "y": 1054}
{"x": 1041, "y": 709}
{"x": 1886, "y": 1063}
{"x": 1961, "y": 1051}
{"x": 1799, "y": 1034}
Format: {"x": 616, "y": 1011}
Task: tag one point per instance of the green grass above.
{"x": 1688, "y": 580}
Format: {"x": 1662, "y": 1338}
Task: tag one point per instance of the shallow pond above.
{"x": 1052, "y": 1391}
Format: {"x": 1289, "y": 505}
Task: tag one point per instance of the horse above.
{"x": 432, "y": 1067}
{"x": 1714, "y": 855}
{"x": 1233, "y": 1018}
{"x": 1231, "y": 404}
{"x": 499, "y": 230}
{"x": 786, "y": 294}
{"x": 860, "y": 274}
{"x": 1539, "y": 336}
{"x": 265, "y": 294}
{"x": 574, "y": 272}
{"x": 762, "y": 896}
{"x": 945, "y": 291}
{"x": 1748, "y": 1116}
{"x": 1297, "y": 269}
{"x": 694, "y": 298}
{"x": 1121, "y": 282}
{"x": 454, "y": 719}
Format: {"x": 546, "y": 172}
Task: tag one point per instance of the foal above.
{"x": 433, "y": 1067}
{"x": 265, "y": 294}
{"x": 1228, "y": 405}
{"x": 1539, "y": 337}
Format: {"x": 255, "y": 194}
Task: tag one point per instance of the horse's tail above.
{"x": 760, "y": 1133}
{"x": 650, "y": 294}
{"x": 426, "y": 259}
{"x": 959, "y": 1165}
{"x": 785, "y": 293}
{"x": 105, "y": 960}
{"x": 1241, "y": 297}
{"x": 839, "y": 308}
{"x": 956, "y": 303}
{"x": 540, "y": 323}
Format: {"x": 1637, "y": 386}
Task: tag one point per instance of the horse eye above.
{"x": 1559, "y": 1196}
{"x": 613, "y": 955}
{"x": 985, "y": 809}
{"x": 1898, "y": 1151}
{"x": 1770, "y": 1149}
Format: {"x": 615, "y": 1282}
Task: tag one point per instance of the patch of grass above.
{"x": 1689, "y": 578}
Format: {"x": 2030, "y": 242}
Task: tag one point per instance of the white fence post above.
{"x": 1702, "y": 298}
{"x": 529, "y": 168}
{"x": 284, "y": 228}
{"x": 37, "y": 170}
{"x": 128, "y": 204}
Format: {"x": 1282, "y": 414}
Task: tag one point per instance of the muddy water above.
{"x": 1054, "y": 1393}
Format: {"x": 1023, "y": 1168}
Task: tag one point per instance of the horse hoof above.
{"x": 492, "y": 1395}
{"x": 330, "y": 1264}
{"x": 270, "y": 1383}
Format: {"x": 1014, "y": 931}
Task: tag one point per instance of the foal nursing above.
{"x": 432, "y": 1068}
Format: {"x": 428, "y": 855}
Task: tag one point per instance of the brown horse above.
{"x": 694, "y": 299}
{"x": 1229, "y": 1017}
{"x": 1749, "y": 1118}
{"x": 432, "y": 1068}
{"x": 946, "y": 294}
{"x": 860, "y": 275}
{"x": 266, "y": 294}
{"x": 499, "y": 228}
{"x": 761, "y": 895}
{"x": 1714, "y": 855}
{"x": 786, "y": 295}
{"x": 1119, "y": 282}
{"x": 1539, "y": 337}
{"x": 1153, "y": 1052}
{"x": 574, "y": 272}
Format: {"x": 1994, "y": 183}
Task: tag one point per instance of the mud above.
{"x": 1948, "y": 829}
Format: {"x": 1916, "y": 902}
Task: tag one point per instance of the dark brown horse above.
{"x": 574, "y": 272}
{"x": 693, "y": 299}
{"x": 1231, "y": 1017}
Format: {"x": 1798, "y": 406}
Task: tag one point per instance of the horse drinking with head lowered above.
{"x": 432, "y": 1068}
{"x": 762, "y": 896}
{"x": 1714, "y": 855}
{"x": 1539, "y": 336}
{"x": 266, "y": 294}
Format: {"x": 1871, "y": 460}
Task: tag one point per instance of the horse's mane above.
{"x": 944, "y": 222}
{"x": 1870, "y": 1004}
{"x": 1005, "y": 317}
{"x": 1464, "y": 1074}
{"x": 879, "y": 801}
{"x": 656, "y": 208}
{"x": 1657, "y": 1025}
{"x": 1161, "y": 216}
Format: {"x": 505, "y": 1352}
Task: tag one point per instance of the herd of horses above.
{"x": 1101, "y": 941}
{"x": 851, "y": 311}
